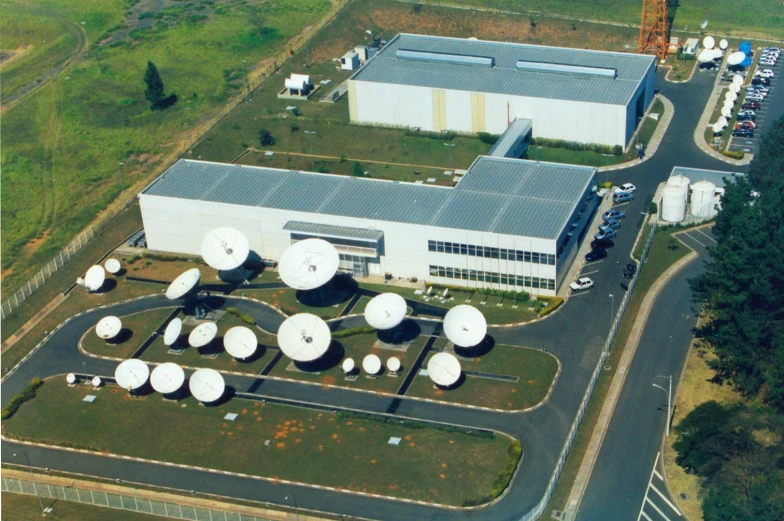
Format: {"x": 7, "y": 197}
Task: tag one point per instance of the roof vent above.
{"x": 440, "y": 57}
{"x": 562, "y": 68}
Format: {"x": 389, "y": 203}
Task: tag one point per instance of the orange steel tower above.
{"x": 653, "y": 28}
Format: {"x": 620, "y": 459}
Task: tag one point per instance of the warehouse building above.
{"x": 508, "y": 224}
{"x": 470, "y": 86}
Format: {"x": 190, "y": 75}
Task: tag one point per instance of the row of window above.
{"x": 491, "y": 253}
{"x": 495, "y": 278}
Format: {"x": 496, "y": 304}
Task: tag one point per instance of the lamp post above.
{"x": 450, "y": 146}
{"x": 612, "y": 309}
{"x": 311, "y": 133}
{"x": 536, "y": 154}
{"x": 296, "y": 508}
{"x": 669, "y": 399}
{"x": 32, "y": 477}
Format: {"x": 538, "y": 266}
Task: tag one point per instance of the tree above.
{"x": 265, "y": 138}
{"x": 154, "y": 91}
{"x": 357, "y": 170}
{"x": 767, "y": 167}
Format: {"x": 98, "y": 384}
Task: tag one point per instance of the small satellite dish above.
{"x": 206, "y": 385}
{"x": 736, "y": 58}
{"x": 716, "y": 128}
{"x": 734, "y": 87}
{"x": 722, "y": 122}
{"x": 203, "y": 334}
{"x": 308, "y": 264}
{"x": 183, "y": 284}
{"x": 726, "y": 112}
{"x": 704, "y": 24}
{"x": 304, "y": 337}
{"x": 93, "y": 279}
{"x": 96, "y": 381}
{"x": 386, "y": 311}
{"x": 444, "y": 369}
{"x": 731, "y": 96}
{"x": 240, "y": 342}
{"x": 705, "y": 56}
{"x": 108, "y": 327}
{"x": 717, "y": 54}
{"x": 167, "y": 378}
{"x": 708, "y": 42}
{"x": 348, "y": 365}
{"x": 172, "y": 332}
{"x": 131, "y": 374}
{"x": 729, "y": 103}
{"x": 225, "y": 248}
{"x": 113, "y": 266}
{"x": 393, "y": 364}
{"x": 737, "y": 79}
{"x": 465, "y": 326}
{"x": 723, "y": 44}
{"x": 70, "y": 378}
{"x": 371, "y": 364}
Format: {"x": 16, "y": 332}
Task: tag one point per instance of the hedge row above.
{"x": 441, "y": 136}
{"x": 362, "y": 330}
{"x": 553, "y": 303}
{"x": 28, "y": 393}
{"x": 520, "y": 296}
{"x": 734, "y": 154}
{"x": 502, "y": 481}
{"x": 242, "y": 316}
{"x": 616, "y": 150}
{"x": 165, "y": 258}
{"x": 489, "y": 139}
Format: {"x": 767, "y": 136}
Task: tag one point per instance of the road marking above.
{"x": 646, "y": 516}
{"x": 593, "y": 263}
{"x": 669, "y": 503}
{"x": 579, "y": 293}
{"x": 590, "y": 272}
{"x": 656, "y": 508}
{"x": 706, "y": 235}
{"x": 658, "y": 475}
{"x": 695, "y": 240}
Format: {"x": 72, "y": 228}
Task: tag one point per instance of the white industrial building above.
{"x": 470, "y": 86}
{"x": 694, "y": 194}
{"x": 508, "y": 224}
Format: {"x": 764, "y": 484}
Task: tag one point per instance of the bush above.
{"x": 616, "y": 150}
{"x": 489, "y": 139}
{"x": 606, "y": 184}
{"x": 357, "y": 170}
{"x": 519, "y": 296}
{"x": 362, "y": 330}
{"x": 734, "y": 154}
{"x": 242, "y": 316}
{"x": 653, "y": 208}
{"x": 515, "y": 450}
{"x": 442, "y": 136}
{"x": 27, "y": 394}
{"x": 265, "y": 138}
{"x": 553, "y": 303}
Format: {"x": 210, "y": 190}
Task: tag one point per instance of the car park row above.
{"x": 752, "y": 114}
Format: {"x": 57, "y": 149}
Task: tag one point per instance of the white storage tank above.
{"x": 680, "y": 181}
{"x": 703, "y": 199}
{"x": 673, "y": 203}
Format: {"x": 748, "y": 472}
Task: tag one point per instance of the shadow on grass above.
{"x": 406, "y": 332}
{"x": 258, "y": 353}
{"x": 123, "y": 336}
{"x": 106, "y": 287}
{"x": 213, "y": 348}
{"x": 330, "y": 359}
{"x": 482, "y": 348}
{"x": 337, "y": 291}
{"x": 460, "y": 381}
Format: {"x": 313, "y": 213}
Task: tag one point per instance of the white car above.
{"x": 765, "y": 73}
{"x": 626, "y": 187}
{"x": 581, "y": 284}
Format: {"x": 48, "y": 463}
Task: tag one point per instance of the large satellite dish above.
{"x": 172, "y": 332}
{"x": 203, "y": 334}
{"x": 465, "y": 326}
{"x": 348, "y": 365}
{"x": 722, "y": 122}
{"x": 304, "y": 337}
{"x": 131, "y": 374}
{"x": 113, "y": 266}
{"x": 716, "y": 128}
{"x": 93, "y": 279}
{"x": 723, "y": 44}
{"x": 705, "y": 56}
{"x": 167, "y": 378}
{"x": 736, "y": 58}
{"x": 240, "y": 342}
{"x": 108, "y": 327}
{"x": 726, "y": 112}
{"x": 225, "y": 248}
{"x": 371, "y": 364}
{"x": 708, "y": 42}
{"x": 308, "y": 264}
{"x": 444, "y": 369}
{"x": 183, "y": 284}
{"x": 206, "y": 385}
{"x": 729, "y": 103}
{"x": 734, "y": 87}
{"x": 386, "y": 311}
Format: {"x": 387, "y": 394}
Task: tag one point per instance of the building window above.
{"x": 431, "y": 245}
{"x": 492, "y": 277}
{"x": 492, "y": 253}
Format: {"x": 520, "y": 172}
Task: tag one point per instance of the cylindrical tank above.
{"x": 703, "y": 199}
{"x": 680, "y": 181}
{"x": 674, "y": 203}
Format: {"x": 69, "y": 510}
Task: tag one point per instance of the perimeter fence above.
{"x": 538, "y": 510}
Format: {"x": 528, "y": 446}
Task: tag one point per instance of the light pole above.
{"x": 449, "y": 147}
{"x": 296, "y": 508}
{"x": 536, "y": 154}
{"x": 122, "y": 182}
{"x": 612, "y": 309}
{"x": 669, "y": 399}
{"x": 32, "y": 477}
{"x": 311, "y": 133}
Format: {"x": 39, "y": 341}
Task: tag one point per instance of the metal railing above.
{"x": 537, "y": 511}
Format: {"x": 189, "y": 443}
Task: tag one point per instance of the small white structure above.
{"x": 673, "y": 204}
{"x": 349, "y": 61}
{"x": 393, "y": 364}
{"x": 691, "y": 46}
{"x": 348, "y": 365}
{"x": 70, "y": 378}
{"x": 362, "y": 52}
{"x": 96, "y": 382}
{"x": 703, "y": 199}
{"x": 299, "y": 84}
{"x": 113, "y": 266}
{"x": 371, "y": 364}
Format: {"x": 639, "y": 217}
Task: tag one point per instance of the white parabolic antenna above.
{"x": 108, "y": 327}
{"x": 704, "y": 24}
{"x": 348, "y": 365}
{"x": 716, "y": 128}
{"x": 308, "y": 264}
{"x": 167, "y": 378}
{"x": 386, "y": 311}
{"x": 736, "y": 58}
{"x": 172, "y": 332}
{"x": 206, "y": 385}
{"x": 240, "y": 342}
{"x": 728, "y": 103}
{"x": 393, "y": 364}
{"x": 734, "y": 87}
{"x": 722, "y": 122}
{"x": 203, "y": 334}
{"x": 371, "y": 364}
{"x": 93, "y": 279}
{"x": 737, "y": 80}
{"x": 723, "y": 44}
{"x": 444, "y": 369}
{"x": 726, "y": 112}
{"x": 731, "y": 96}
{"x": 112, "y": 266}
{"x": 70, "y": 378}
{"x": 304, "y": 337}
{"x": 708, "y": 42}
{"x": 225, "y": 248}
{"x": 96, "y": 381}
{"x": 131, "y": 374}
{"x": 183, "y": 284}
{"x": 465, "y": 326}
{"x": 705, "y": 56}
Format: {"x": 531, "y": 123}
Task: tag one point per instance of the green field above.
{"x": 305, "y": 445}
{"x": 137, "y": 328}
{"x": 19, "y": 507}
{"x": 290, "y": 301}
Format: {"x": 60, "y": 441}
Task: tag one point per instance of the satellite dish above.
{"x": 240, "y": 342}
{"x": 722, "y": 122}
{"x": 225, "y": 248}
{"x": 386, "y": 311}
{"x": 708, "y": 42}
{"x": 371, "y": 364}
{"x": 70, "y": 378}
{"x": 113, "y": 266}
{"x": 172, "y": 332}
{"x": 393, "y": 364}
{"x": 723, "y": 44}
{"x": 304, "y": 337}
{"x": 737, "y": 79}
{"x": 308, "y": 264}
{"x": 734, "y": 87}
{"x": 203, "y": 334}
{"x": 729, "y": 103}
{"x": 183, "y": 284}
{"x": 348, "y": 365}
{"x": 703, "y": 24}
{"x": 465, "y": 326}
{"x": 167, "y": 378}
{"x": 108, "y": 327}
{"x": 131, "y": 374}
{"x": 444, "y": 369}
{"x": 726, "y": 112}
{"x": 731, "y": 96}
{"x": 705, "y": 56}
{"x": 96, "y": 381}
{"x": 736, "y": 58}
{"x": 206, "y": 385}
{"x": 717, "y": 54}
{"x": 93, "y": 279}
{"x": 716, "y": 128}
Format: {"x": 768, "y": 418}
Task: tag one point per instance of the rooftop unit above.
{"x": 440, "y": 57}
{"x": 562, "y": 68}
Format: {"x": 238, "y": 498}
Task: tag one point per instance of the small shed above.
{"x": 349, "y": 61}
{"x": 692, "y": 46}
{"x": 362, "y": 51}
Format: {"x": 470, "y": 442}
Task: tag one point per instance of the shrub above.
{"x": 489, "y": 139}
{"x": 265, "y": 138}
{"x": 653, "y": 208}
{"x": 27, "y": 394}
{"x": 242, "y": 316}
{"x": 442, "y": 136}
{"x": 734, "y": 154}
{"x": 519, "y": 296}
{"x": 606, "y": 184}
{"x": 616, "y": 150}
{"x": 515, "y": 450}
{"x": 362, "y": 330}
{"x": 553, "y": 303}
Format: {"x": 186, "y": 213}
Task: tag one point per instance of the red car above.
{"x": 751, "y": 105}
{"x": 746, "y": 124}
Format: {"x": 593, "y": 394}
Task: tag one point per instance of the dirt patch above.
{"x": 33, "y": 244}
{"x": 5, "y": 272}
{"x": 8, "y": 56}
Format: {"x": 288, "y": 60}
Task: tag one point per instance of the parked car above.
{"x": 774, "y": 49}
{"x": 596, "y": 254}
{"x": 602, "y": 243}
{"x": 613, "y": 214}
{"x": 765, "y": 73}
{"x": 767, "y": 63}
{"x": 622, "y": 197}
{"x": 581, "y": 284}
{"x": 626, "y": 187}
{"x": 612, "y": 224}
{"x": 608, "y": 234}
{"x": 746, "y": 124}
{"x": 753, "y": 105}
{"x": 743, "y": 132}
{"x": 747, "y": 114}
{"x": 761, "y": 88}
{"x": 755, "y": 97}
{"x": 760, "y": 81}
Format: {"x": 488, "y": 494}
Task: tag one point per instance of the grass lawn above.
{"x": 20, "y": 507}
{"x": 306, "y": 445}
{"x": 681, "y": 69}
{"x": 291, "y": 301}
{"x": 136, "y": 329}
{"x": 535, "y": 370}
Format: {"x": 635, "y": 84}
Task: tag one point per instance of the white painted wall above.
{"x": 394, "y": 105}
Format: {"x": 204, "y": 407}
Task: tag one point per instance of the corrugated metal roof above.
{"x": 505, "y": 196}
{"x": 516, "y": 131}
{"x": 503, "y": 77}
{"x": 328, "y": 230}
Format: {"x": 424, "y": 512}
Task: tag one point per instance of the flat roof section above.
{"x": 546, "y": 72}
{"x": 716, "y": 177}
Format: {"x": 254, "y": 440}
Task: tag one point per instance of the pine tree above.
{"x": 154, "y": 91}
